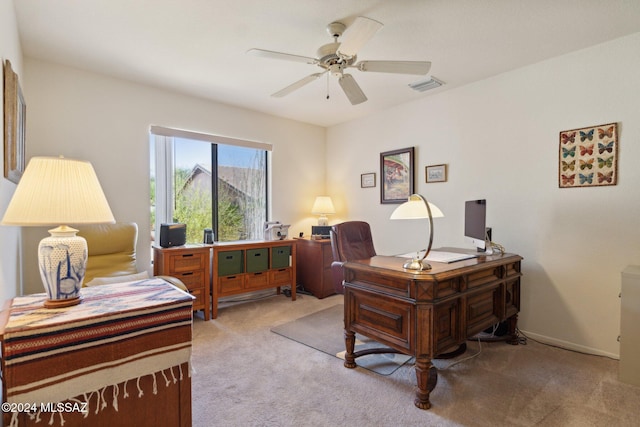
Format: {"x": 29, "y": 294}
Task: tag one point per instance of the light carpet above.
{"x": 245, "y": 375}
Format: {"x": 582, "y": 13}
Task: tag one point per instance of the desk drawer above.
{"x": 483, "y": 277}
{"x": 384, "y": 319}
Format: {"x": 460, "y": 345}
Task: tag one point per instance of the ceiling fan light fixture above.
{"x": 425, "y": 85}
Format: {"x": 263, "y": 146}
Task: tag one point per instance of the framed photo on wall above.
{"x": 368, "y": 180}
{"x": 436, "y": 173}
{"x": 396, "y": 175}
{"x": 14, "y": 125}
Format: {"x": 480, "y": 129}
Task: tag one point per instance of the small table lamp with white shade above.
{"x": 417, "y": 207}
{"x": 54, "y": 191}
{"x": 323, "y": 206}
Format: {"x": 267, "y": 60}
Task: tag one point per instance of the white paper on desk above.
{"x": 440, "y": 256}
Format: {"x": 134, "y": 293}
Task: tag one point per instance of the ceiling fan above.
{"x": 336, "y": 57}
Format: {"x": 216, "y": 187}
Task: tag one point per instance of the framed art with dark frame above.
{"x": 14, "y": 125}
{"x": 396, "y": 175}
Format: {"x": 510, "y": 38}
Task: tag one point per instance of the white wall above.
{"x": 106, "y": 121}
{"x": 499, "y": 138}
{"x": 10, "y": 260}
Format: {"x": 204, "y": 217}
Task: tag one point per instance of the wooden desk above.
{"x": 120, "y": 357}
{"x": 428, "y": 313}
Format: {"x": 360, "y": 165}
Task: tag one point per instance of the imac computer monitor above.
{"x": 475, "y": 215}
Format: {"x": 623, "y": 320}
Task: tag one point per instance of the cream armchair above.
{"x": 112, "y": 254}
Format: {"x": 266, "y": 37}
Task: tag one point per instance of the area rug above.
{"x": 324, "y": 331}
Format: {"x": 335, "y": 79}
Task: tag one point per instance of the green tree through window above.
{"x": 235, "y": 208}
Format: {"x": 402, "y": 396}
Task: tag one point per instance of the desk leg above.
{"x": 427, "y": 378}
{"x": 350, "y": 344}
{"x": 512, "y": 324}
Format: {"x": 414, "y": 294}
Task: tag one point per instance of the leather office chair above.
{"x": 350, "y": 240}
{"x": 111, "y": 254}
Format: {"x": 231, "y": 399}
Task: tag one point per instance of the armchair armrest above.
{"x": 175, "y": 282}
{"x": 338, "y": 276}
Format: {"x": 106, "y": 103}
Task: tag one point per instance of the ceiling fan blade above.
{"x": 357, "y": 35}
{"x": 297, "y": 85}
{"x": 351, "y": 89}
{"x": 283, "y": 56}
{"x": 400, "y": 67}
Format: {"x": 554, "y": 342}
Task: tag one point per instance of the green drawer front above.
{"x": 257, "y": 260}
{"x": 230, "y": 262}
{"x": 280, "y": 256}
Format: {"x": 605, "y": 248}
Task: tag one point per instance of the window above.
{"x": 207, "y": 181}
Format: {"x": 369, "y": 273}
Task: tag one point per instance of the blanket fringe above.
{"x": 101, "y": 403}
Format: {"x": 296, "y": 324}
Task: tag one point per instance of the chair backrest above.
{"x": 111, "y": 249}
{"x": 352, "y": 240}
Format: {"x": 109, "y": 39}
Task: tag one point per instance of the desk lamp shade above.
{"x": 417, "y": 207}
{"x": 54, "y": 191}
{"x": 323, "y": 206}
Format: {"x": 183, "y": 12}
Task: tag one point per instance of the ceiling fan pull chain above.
{"x": 327, "y": 85}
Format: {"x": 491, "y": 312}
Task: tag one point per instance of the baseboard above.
{"x": 569, "y": 345}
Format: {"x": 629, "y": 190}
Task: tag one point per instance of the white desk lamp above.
{"x": 417, "y": 207}
{"x": 52, "y": 191}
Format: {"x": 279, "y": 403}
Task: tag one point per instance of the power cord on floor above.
{"x": 520, "y": 333}
{"x": 476, "y": 354}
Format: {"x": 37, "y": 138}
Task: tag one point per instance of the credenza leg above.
{"x": 350, "y": 343}
{"x": 427, "y": 378}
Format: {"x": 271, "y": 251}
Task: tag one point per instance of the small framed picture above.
{"x": 436, "y": 173}
{"x": 368, "y": 180}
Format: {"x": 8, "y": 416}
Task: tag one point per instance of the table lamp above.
{"x": 53, "y": 191}
{"x": 417, "y": 207}
{"x": 323, "y": 206}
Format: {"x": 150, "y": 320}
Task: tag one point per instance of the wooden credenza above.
{"x": 314, "y": 266}
{"x": 248, "y": 266}
{"x": 428, "y": 313}
{"x": 191, "y": 264}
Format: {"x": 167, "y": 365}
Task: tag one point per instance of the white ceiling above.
{"x": 198, "y": 47}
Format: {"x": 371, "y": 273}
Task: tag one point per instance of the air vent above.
{"x": 425, "y": 85}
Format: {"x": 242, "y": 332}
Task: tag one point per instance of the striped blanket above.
{"x": 118, "y": 332}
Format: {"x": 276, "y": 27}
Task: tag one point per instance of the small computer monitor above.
{"x": 475, "y": 216}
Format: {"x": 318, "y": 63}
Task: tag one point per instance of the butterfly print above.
{"x": 568, "y": 137}
{"x": 586, "y": 178}
{"x": 605, "y": 133}
{"x": 588, "y": 150}
{"x": 568, "y": 152}
{"x": 568, "y": 179}
{"x": 605, "y": 176}
{"x": 608, "y": 162}
{"x": 586, "y": 165}
{"x": 608, "y": 148}
{"x": 587, "y": 135}
{"x": 566, "y": 165}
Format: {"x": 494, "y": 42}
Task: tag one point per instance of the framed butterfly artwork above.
{"x": 588, "y": 157}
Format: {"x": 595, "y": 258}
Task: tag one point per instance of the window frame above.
{"x": 163, "y": 140}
